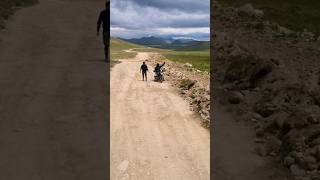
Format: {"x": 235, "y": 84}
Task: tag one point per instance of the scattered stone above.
{"x": 312, "y": 119}
{"x": 187, "y": 84}
{"x": 188, "y": 65}
{"x": 260, "y": 132}
{"x": 261, "y": 151}
{"x": 288, "y": 161}
{"x": 285, "y": 31}
{"x": 316, "y": 142}
{"x": 279, "y": 123}
{"x": 308, "y": 36}
{"x": 273, "y": 145}
{"x": 256, "y": 116}
{"x": 317, "y": 155}
{"x": 258, "y": 13}
{"x": 309, "y": 163}
{"x": 235, "y": 97}
{"x": 247, "y": 69}
{"x": 296, "y": 170}
{"x": 279, "y": 120}
{"x": 266, "y": 109}
{"x": 246, "y": 10}
{"x": 259, "y": 141}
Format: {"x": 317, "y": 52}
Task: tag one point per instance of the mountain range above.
{"x": 171, "y": 43}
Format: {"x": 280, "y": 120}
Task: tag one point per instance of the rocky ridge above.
{"x": 268, "y": 75}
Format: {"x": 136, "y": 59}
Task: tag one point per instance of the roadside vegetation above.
{"x": 293, "y": 14}
{"x": 198, "y": 59}
{"x": 7, "y": 8}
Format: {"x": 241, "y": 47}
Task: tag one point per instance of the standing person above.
{"x": 104, "y": 19}
{"x": 144, "y": 70}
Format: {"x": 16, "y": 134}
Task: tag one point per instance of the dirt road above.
{"x": 234, "y": 149}
{"x": 53, "y": 99}
{"x": 154, "y": 136}
{"x": 234, "y": 155}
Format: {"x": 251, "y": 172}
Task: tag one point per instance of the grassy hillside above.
{"x": 7, "y": 8}
{"x": 199, "y": 59}
{"x": 294, "y": 14}
{"x": 171, "y": 44}
{"x": 118, "y": 47}
{"x": 197, "y": 46}
{"x": 192, "y": 46}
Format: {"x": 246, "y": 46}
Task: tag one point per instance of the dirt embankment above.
{"x": 193, "y": 85}
{"x": 268, "y": 77}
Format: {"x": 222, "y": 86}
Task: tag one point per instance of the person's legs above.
{"x": 145, "y": 74}
{"x": 106, "y": 53}
{"x": 106, "y": 41}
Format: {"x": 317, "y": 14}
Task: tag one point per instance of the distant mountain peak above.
{"x": 171, "y": 43}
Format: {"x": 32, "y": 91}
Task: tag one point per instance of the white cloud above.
{"x": 182, "y": 31}
{"x": 129, "y": 19}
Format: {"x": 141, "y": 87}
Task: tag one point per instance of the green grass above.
{"x": 118, "y": 47}
{"x": 294, "y": 14}
{"x": 147, "y": 49}
{"x": 199, "y": 59}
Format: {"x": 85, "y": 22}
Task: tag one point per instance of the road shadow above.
{"x": 97, "y": 60}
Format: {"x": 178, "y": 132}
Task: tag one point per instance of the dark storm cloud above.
{"x": 133, "y": 18}
{"x": 185, "y": 5}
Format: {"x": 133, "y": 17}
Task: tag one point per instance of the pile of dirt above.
{"x": 192, "y": 84}
{"x": 8, "y": 7}
{"x": 268, "y": 76}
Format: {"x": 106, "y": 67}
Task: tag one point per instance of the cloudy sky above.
{"x": 176, "y": 18}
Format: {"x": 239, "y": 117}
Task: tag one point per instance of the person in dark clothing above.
{"x": 144, "y": 70}
{"x": 104, "y": 19}
{"x": 158, "y": 67}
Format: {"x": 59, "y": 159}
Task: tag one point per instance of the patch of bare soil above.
{"x": 268, "y": 77}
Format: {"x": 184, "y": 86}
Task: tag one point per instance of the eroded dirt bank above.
{"x": 267, "y": 77}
